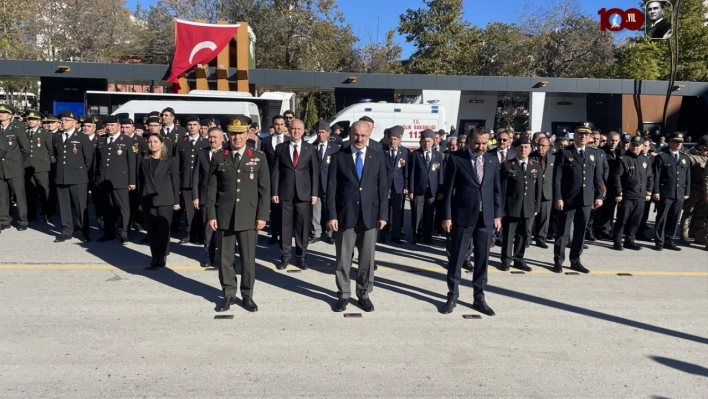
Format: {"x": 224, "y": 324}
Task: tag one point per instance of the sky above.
{"x": 369, "y": 16}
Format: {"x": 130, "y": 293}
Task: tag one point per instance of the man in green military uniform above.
{"x": 13, "y": 161}
{"x": 37, "y": 166}
{"x": 238, "y": 205}
{"x": 695, "y": 208}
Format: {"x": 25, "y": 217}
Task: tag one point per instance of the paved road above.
{"x": 85, "y": 321}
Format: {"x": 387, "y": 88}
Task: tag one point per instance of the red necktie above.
{"x": 503, "y": 156}
{"x": 296, "y": 157}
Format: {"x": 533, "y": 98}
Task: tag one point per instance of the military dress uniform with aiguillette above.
{"x": 37, "y": 167}
{"x": 187, "y": 150}
{"x": 543, "y": 220}
{"x": 672, "y": 182}
{"x": 74, "y": 155}
{"x": 14, "y": 176}
{"x": 522, "y": 186}
{"x": 633, "y": 180}
{"x": 238, "y": 196}
{"x": 115, "y": 171}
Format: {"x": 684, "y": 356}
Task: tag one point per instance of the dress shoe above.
{"x": 21, "y": 228}
{"x": 658, "y": 247}
{"x": 414, "y": 241}
{"x": 248, "y": 304}
{"x": 617, "y": 246}
{"x": 302, "y": 265}
{"x": 382, "y": 240}
{"x": 504, "y": 267}
{"x": 630, "y": 244}
{"x": 521, "y": 265}
{"x": 467, "y": 265}
{"x": 578, "y": 267}
{"x": 448, "y": 306}
{"x": 45, "y": 219}
{"x": 5, "y": 227}
{"x": 541, "y": 243}
{"x": 569, "y": 244}
{"x": 314, "y": 240}
{"x": 124, "y": 240}
{"x": 226, "y": 305}
{"x": 105, "y": 238}
{"x": 145, "y": 240}
{"x": 557, "y": 268}
{"x": 396, "y": 240}
{"x": 85, "y": 238}
{"x": 282, "y": 265}
{"x": 589, "y": 236}
{"x": 605, "y": 236}
{"x": 670, "y": 245}
{"x": 206, "y": 262}
{"x": 62, "y": 238}
{"x": 273, "y": 240}
{"x": 428, "y": 241}
{"x": 366, "y": 305}
{"x": 585, "y": 246}
{"x": 329, "y": 240}
{"x": 341, "y": 305}
{"x": 482, "y": 307}
{"x": 498, "y": 242}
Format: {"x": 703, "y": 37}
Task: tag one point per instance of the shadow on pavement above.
{"x": 689, "y": 368}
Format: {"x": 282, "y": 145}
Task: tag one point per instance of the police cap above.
{"x": 703, "y": 141}
{"x": 637, "y": 140}
{"x": 127, "y": 121}
{"x": 676, "y": 136}
{"x": 204, "y": 122}
{"x": 191, "y": 118}
{"x": 584, "y": 127}
{"x": 521, "y": 141}
{"x": 154, "y": 119}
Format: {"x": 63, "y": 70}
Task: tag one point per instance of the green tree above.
{"x": 503, "y": 51}
{"x": 643, "y": 59}
{"x": 378, "y": 57}
{"x": 311, "y": 114}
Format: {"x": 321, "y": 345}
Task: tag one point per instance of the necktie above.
{"x": 322, "y": 151}
{"x": 480, "y": 175}
{"x": 167, "y": 131}
{"x": 523, "y": 166}
{"x": 278, "y": 138}
{"x": 676, "y": 157}
{"x": 359, "y": 164}
{"x": 66, "y": 136}
{"x": 110, "y": 140}
{"x": 193, "y": 141}
{"x": 296, "y": 157}
{"x": 427, "y": 157}
{"x": 582, "y": 155}
{"x": 503, "y": 156}
{"x": 613, "y": 153}
{"x": 237, "y": 157}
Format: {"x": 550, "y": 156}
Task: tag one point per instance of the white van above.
{"x": 137, "y": 109}
{"x": 413, "y": 117}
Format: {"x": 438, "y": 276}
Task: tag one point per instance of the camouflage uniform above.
{"x": 695, "y": 208}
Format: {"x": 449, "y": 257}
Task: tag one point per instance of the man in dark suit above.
{"x": 37, "y": 166}
{"x": 294, "y": 186}
{"x": 440, "y": 143}
{"x": 88, "y": 128}
{"x": 545, "y": 159}
{"x": 187, "y": 149}
{"x": 577, "y": 185}
{"x": 200, "y": 180}
{"x": 357, "y": 205}
{"x": 237, "y": 208}
{"x": 269, "y": 144}
{"x": 74, "y": 155}
{"x": 115, "y": 178}
{"x": 425, "y": 179}
{"x": 657, "y": 27}
{"x": 171, "y": 130}
{"x": 672, "y": 186}
{"x": 594, "y": 143}
{"x": 397, "y": 158}
{"x": 13, "y": 166}
{"x": 472, "y": 199}
{"x": 602, "y": 227}
{"x": 374, "y": 145}
{"x": 325, "y": 148}
{"x": 503, "y": 152}
{"x": 522, "y": 186}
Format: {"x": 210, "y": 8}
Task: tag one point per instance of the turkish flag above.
{"x": 197, "y": 43}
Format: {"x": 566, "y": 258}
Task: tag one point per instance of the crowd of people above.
{"x": 220, "y": 182}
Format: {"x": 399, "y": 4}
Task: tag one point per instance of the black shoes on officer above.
{"x": 578, "y": 267}
{"x": 670, "y": 245}
{"x": 248, "y": 304}
{"x": 341, "y": 305}
{"x": 617, "y": 246}
{"x": 448, "y": 306}
{"x": 482, "y": 307}
{"x": 630, "y": 244}
{"x": 226, "y": 305}
{"x": 366, "y": 305}
{"x": 557, "y": 268}
{"x": 521, "y": 265}
{"x": 62, "y": 238}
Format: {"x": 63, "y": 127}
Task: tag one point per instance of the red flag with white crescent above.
{"x": 197, "y": 43}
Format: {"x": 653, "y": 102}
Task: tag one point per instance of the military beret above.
{"x": 676, "y": 136}
{"x": 191, "y": 118}
{"x": 521, "y": 141}
{"x": 127, "y": 121}
{"x": 111, "y": 119}
{"x": 139, "y": 126}
{"x": 89, "y": 119}
{"x": 34, "y": 115}
{"x": 6, "y": 109}
{"x": 703, "y": 141}
{"x": 66, "y": 114}
{"x": 50, "y": 118}
{"x": 584, "y": 127}
{"x": 99, "y": 125}
{"x": 169, "y": 109}
{"x": 204, "y": 122}
{"x": 396, "y": 131}
{"x": 154, "y": 119}
{"x": 637, "y": 140}
{"x": 237, "y": 123}
{"x": 427, "y": 134}
{"x": 322, "y": 125}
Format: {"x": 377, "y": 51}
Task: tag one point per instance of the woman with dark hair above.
{"x": 158, "y": 185}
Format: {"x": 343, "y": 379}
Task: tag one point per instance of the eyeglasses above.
{"x": 288, "y": 117}
{"x": 503, "y": 140}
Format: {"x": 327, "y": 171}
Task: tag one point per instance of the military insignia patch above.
{"x": 592, "y": 158}
{"x": 570, "y": 159}
{"x": 644, "y": 165}
{"x": 683, "y": 161}
{"x": 135, "y": 148}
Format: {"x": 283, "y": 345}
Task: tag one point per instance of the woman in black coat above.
{"x": 158, "y": 185}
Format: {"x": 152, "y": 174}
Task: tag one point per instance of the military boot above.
{"x": 684, "y": 236}
{"x": 701, "y": 237}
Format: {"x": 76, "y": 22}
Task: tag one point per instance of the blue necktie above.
{"x": 359, "y": 164}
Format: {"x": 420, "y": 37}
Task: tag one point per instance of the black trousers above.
{"x": 116, "y": 206}
{"x": 36, "y": 183}
{"x": 276, "y": 217}
{"x": 480, "y": 236}
{"x": 76, "y": 194}
{"x": 192, "y": 225}
{"x": 52, "y": 199}
{"x": 136, "y": 217}
{"x": 97, "y": 201}
{"x": 668, "y": 212}
{"x": 423, "y": 214}
{"x": 395, "y": 208}
{"x": 629, "y": 214}
{"x": 16, "y": 186}
{"x": 542, "y": 221}
{"x": 226, "y": 241}
{"x": 577, "y": 217}
{"x": 603, "y": 219}
{"x": 209, "y": 239}
{"x": 158, "y": 228}
{"x": 514, "y": 238}
{"x": 298, "y": 213}
{"x": 645, "y": 217}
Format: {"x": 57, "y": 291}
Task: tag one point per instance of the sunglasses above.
{"x": 288, "y": 117}
{"x": 503, "y": 140}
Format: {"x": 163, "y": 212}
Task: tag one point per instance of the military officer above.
{"x": 37, "y": 166}
{"x": 672, "y": 186}
{"x": 88, "y": 128}
{"x": 522, "y": 186}
{"x": 238, "y": 205}
{"x": 632, "y": 180}
{"x": 170, "y": 130}
{"x": 74, "y": 155}
{"x": 14, "y": 172}
{"x": 3, "y": 151}
{"x": 695, "y": 209}
{"x": 137, "y": 142}
{"x": 115, "y": 177}
{"x": 187, "y": 150}
{"x": 545, "y": 158}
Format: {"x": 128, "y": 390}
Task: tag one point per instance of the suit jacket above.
{"x": 348, "y": 197}
{"x": 41, "y": 153}
{"x": 547, "y": 177}
{"x": 672, "y": 179}
{"x": 115, "y": 164}
{"x": 324, "y": 165}
{"x": 235, "y": 200}
{"x": 397, "y": 168}
{"x": 575, "y": 182}
{"x": 463, "y": 192}
{"x": 612, "y": 164}
{"x": 74, "y": 158}
{"x": 299, "y": 182}
{"x": 422, "y": 176}
{"x": 187, "y": 157}
{"x": 659, "y": 30}
{"x": 521, "y": 191}
{"x": 200, "y": 175}
{"x": 17, "y": 151}
{"x": 510, "y": 154}
{"x": 160, "y": 187}
{"x": 174, "y": 137}
{"x": 269, "y": 149}
{"x": 3, "y": 151}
